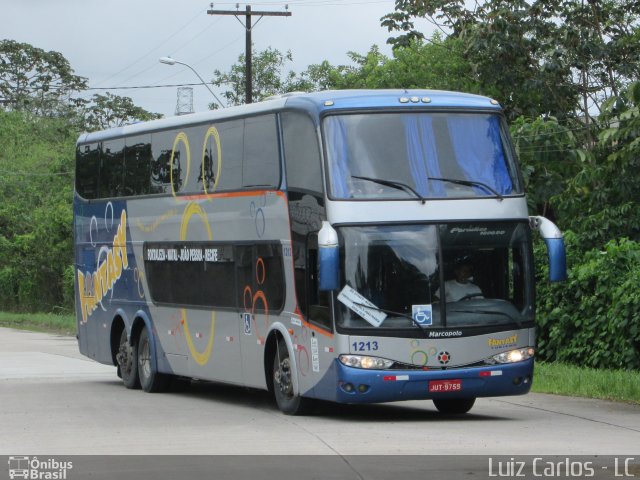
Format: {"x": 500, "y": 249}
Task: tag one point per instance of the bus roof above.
{"x": 317, "y": 102}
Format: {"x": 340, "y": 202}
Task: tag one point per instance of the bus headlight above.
{"x": 513, "y": 356}
{"x": 363, "y": 361}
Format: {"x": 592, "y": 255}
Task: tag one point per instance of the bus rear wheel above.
{"x": 454, "y": 406}
{"x": 288, "y": 402}
{"x": 150, "y": 379}
{"x": 127, "y": 358}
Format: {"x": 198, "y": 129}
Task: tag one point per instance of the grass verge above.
{"x": 563, "y": 379}
{"x": 40, "y": 322}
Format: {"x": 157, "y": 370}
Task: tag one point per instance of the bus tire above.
{"x": 151, "y": 380}
{"x": 288, "y": 402}
{"x": 454, "y": 406}
{"x": 127, "y": 358}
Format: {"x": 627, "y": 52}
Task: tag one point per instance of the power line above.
{"x": 313, "y": 3}
{"x": 134, "y": 87}
{"x": 135, "y": 62}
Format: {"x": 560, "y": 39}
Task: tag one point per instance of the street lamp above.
{"x": 173, "y": 61}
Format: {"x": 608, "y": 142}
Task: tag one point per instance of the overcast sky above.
{"x": 117, "y": 43}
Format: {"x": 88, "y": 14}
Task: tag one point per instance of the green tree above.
{"x": 544, "y": 57}
{"x": 108, "y": 111}
{"x": 433, "y": 63}
{"x": 602, "y": 200}
{"x": 37, "y": 81}
{"x": 550, "y": 156}
{"x": 268, "y": 77}
{"x": 36, "y": 185}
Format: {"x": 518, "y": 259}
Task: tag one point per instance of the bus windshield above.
{"x": 419, "y": 155}
{"x": 461, "y": 275}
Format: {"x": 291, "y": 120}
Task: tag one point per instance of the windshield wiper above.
{"x": 397, "y": 314}
{"x": 469, "y": 183}
{"x": 393, "y": 184}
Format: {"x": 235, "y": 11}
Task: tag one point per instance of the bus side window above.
{"x": 269, "y": 275}
{"x": 160, "y": 158}
{"x": 318, "y": 305}
{"x": 231, "y": 134}
{"x": 112, "y": 169}
{"x": 260, "y": 278}
{"x": 137, "y": 163}
{"x": 261, "y": 160}
{"x": 302, "y": 153}
{"x": 88, "y": 170}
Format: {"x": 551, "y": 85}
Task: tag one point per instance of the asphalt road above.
{"x": 54, "y": 401}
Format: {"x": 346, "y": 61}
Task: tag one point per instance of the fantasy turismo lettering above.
{"x": 93, "y": 287}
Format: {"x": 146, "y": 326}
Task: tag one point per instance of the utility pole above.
{"x": 248, "y": 68}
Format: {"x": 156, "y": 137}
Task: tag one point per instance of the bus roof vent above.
{"x": 284, "y": 95}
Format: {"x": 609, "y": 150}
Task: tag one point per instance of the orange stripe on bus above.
{"x": 252, "y": 193}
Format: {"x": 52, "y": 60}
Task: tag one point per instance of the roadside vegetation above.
{"x": 61, "y": 324}
{"x": 566, "y": 74}
{"x": 571, "y": 380}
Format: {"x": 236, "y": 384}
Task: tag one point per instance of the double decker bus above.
{"x": 349, "y": 246}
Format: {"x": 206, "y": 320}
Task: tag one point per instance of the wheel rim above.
{"x": 144, "y": 359}
{"x": 282, "y": 378}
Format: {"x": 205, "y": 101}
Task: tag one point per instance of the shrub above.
{"x": 592, "y": 319}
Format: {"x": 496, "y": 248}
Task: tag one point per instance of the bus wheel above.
{"x": 127, "y": 358}
{"x": 454, "y": 406}
{"x": 288, "y": 402}
{"x": 150, "y": 379}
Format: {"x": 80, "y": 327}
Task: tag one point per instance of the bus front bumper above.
{"x": 356, "y": 385}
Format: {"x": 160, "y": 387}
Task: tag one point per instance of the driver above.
{"x": 462, "y": 285}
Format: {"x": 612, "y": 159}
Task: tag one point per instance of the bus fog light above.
{"x": 363, "y": 361}
{"x": 513, "y": 356}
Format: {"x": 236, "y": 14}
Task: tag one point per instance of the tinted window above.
{"x": 226, "y": 156}
{"x": 261, "y": 165}
{"x": 112, "y": 169}
{"x": 209, "y": 169}
{"x": 137, "y": 161}
{"x": 162, "y": 143}
{"x": 438, "y": 155}
{"x": 231, "y": 143}
{"x": 301, "y": 152}
{"x": 269, "y": 275}
{"x": 261, "y": 286}
{"x": 193, "y": 165}
{"x": 88, "y": 170}
{"x": 191, "y": 273}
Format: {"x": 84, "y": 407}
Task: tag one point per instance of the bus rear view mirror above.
{"x": 555, "y": 247}
{"x": 328, "y": 258}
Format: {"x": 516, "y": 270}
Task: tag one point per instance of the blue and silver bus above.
{"x": 348, "y": 246}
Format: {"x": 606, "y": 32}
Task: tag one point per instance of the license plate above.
{"x": 437, "y": 386}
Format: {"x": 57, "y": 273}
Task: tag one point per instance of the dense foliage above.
{"x": 592, "y": 318}
{"x": 36, "y": 187}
